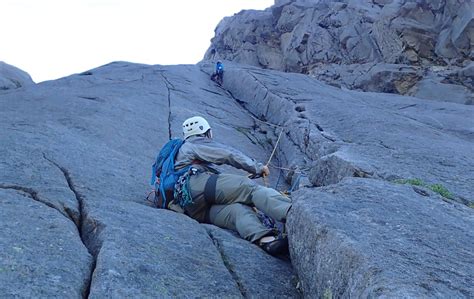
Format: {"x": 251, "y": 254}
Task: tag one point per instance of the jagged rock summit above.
{"x": 384, "y": 207}
{"x": 421, "y": 48}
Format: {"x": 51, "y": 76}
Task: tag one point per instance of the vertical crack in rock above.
{"x": 252, "y": 115}
{"x": 169, "y": 86}
{"x": 256, "y": 119}
{"x": 227, "y": 264}
{"x": 325, "y": 169}
{"x": 321, "y": 168}
{"x": 262, "y": 144}
{"x": 87, "y": 228}
{"x": 268, "y": 91}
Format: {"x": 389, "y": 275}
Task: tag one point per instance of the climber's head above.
{"x": 196, "y": 125}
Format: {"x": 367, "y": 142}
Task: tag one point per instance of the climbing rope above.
{"x": 271, "y": 156}
{"x": 299, "y": 172}
{"x": 274, "y": 148}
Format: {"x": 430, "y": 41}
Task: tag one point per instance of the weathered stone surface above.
{"x": 336, "y": 243}
{"x": 464, "y": 76}
{"x": 12, "y": 77}
{"x": 390, "y": 78}
{"x": 41, "y": 251}
{"x": 344, "y": 133}
{"x": 86, "y": 153}
{"x": 368, "y": 238}
{"x": 257, "y": 273}
{"x": 433, "y": 90}
{"x": 149, "y": 253}
{"x": 331, "y": 39}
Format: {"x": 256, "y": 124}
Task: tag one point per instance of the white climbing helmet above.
{"x": 194, "y": 126}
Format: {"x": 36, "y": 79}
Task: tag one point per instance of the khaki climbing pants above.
{"x": 231, "y": 206}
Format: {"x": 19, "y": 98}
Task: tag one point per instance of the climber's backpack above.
{"x": 164, "y": 176}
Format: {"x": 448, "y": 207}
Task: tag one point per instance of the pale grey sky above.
{"x": 50, "y": 39}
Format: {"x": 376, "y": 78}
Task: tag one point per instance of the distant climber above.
{"x": 218, "y": 75}
{"x": 225, "y": 200}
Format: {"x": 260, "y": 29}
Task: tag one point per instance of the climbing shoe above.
{"x": 274, "y": 245}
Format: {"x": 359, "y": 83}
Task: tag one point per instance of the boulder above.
{"x": 390, "y": 78}
{"x": 368, "y": 238}
{"x": 433, "y": 90}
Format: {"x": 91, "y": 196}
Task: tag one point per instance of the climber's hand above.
{"x": 265, "y": 171}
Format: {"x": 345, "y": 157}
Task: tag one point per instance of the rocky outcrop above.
{"x": 12, "y": 77}
{"x": 383, "y": 210}
{"x": 396, "y": 182}
{"x": 346, "y": 133}
{"x": 384, "y": 241}
{"x": 385, "y": 46}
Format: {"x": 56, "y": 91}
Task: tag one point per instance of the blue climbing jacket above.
{"x": 164, "y": 176}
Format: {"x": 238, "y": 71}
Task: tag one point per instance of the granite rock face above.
{"x": 76, "y": 156}
{"x": 42, "y": 253}
{"x": 394, "y": 207}
{"x": 378, "y": 174}
{"x": 384, "y": 46}
{"x": 372, "y": 239}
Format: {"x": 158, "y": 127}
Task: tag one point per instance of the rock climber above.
{"x": 218, "y": 75}
{"x": 226, "y": 200}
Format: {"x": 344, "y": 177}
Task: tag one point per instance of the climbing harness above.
{"x": 182, "y": 194}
